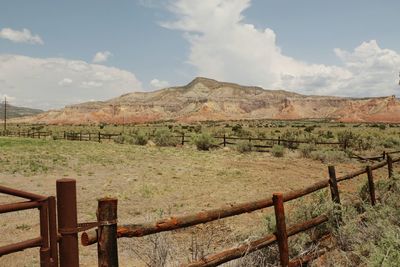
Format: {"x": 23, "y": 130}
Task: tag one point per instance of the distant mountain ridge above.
{"x": 207, "y": 99}
{"x": 15, "y": 112}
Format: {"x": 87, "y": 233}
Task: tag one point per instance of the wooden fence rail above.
{"x": 278, "y": 200}
{"x": 183, "y": 139}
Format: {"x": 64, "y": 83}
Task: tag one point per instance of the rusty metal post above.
{"x": 53, "y": 231}
{"x": 281, "y": 233}
{"x": 107, "y": 247}
{"x": 44, "y": 233}
{"x": 390, "y": 165}
{"x": 333, "y": 185}
{"x": 371, "y": 185}
{"x": 67, "y": 222}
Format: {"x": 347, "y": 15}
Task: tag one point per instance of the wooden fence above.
{"x": 258, "y": 143}
{"x": 107, "y": 233}
{"x": 66, "y": 254}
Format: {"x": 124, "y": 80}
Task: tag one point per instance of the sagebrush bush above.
{"x": 244, "y": 147}
{"x": 305, "y": 150}
{"x": 203, "y": 141}
{"x": 140, "y": 138}
{"x": 163, "y": 137}
{"x": 120, "y": 139}
{"x": 278, "y": 151}
{"x": 329, "y": 156}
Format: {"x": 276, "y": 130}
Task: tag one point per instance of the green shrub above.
{"x": 329, "y": 156}
{"x": 203, "y": 141}
{"x": 390, "y": 142}
{"x": 306, "y": 150}
{"x": 244, "y": 147}
{"x": 278, "y": 151}
{"x": 140, "y": 139}
{"x": 164, "y": 137}
{"x": 120, "y": 139}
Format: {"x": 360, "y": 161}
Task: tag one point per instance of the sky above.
{"x": 57, "y": 53}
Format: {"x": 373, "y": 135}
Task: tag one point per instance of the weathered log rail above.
{"x": 173, "y": 223}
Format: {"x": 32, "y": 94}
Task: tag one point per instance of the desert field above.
{"x": 153, "y": 182}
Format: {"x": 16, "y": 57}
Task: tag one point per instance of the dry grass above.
{"x": 150, "y": 182}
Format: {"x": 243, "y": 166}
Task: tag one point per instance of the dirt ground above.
{"x": 150, "y": 183}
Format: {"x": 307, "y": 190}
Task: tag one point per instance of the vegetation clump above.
{"x": 203, "y": 141}
{"x": 164, "y": 137}
{"x": 244, "y": 147}
{"x": 140, "y": 138}
{"x": 278, "y": 151}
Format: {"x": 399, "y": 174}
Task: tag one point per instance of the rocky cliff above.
{"x": 206, "y": 99}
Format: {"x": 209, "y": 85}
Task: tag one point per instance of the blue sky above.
{"x": 346, "y": 48}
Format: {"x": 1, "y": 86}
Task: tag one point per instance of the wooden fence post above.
{"x": 371, "y": 185}
{"x": 279, "y": 140}
{"x": 224, "y": 140}
{"x": 44, "y": 233}
{"x": 281, "y": 233}
{"x": 183, "y": 139}
{"x": 335, "y": 192}
{"x": 67, "y": 222}
{"x": 99, "y": 137}
{"x": 390, "y": 165}
{"x": 333, "y": 185}
{"x": 107, "y": 247}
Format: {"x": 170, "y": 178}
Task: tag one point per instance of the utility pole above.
{"x": 5, "y": 115}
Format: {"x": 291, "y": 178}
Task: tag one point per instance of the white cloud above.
{"x": 155, "y": 83}
{"x": 5, "y": 96}
{"x": 24, "y": 36}
{"x": 224, "y": 47}
{"x": 101, "y": 56}
{"x": 65, "y": 82}
{"x": 54, "y": 82}
{"x": 91, "y": 84}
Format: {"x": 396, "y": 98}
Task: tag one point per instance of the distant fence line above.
{"x": 182, "y": 139}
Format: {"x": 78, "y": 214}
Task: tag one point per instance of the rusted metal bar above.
{"x": 19, "y": 193}
{"x": 19, "y": 206}
{"x": 281, "y": 233}
{"x": 390, "y": 165}
{"x": 44, "y": 233}
{"x": 107, "y": 247}
{"x": 67, "y": 222}
{"x": 31, "y": 243}
{"x": 53, "y": 231}
{"x": 371, "y": 185}
{"x": 333, "y": 185}
{"x": 242, "y": 250}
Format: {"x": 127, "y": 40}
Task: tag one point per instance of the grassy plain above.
{"x": 154, "y": 182}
